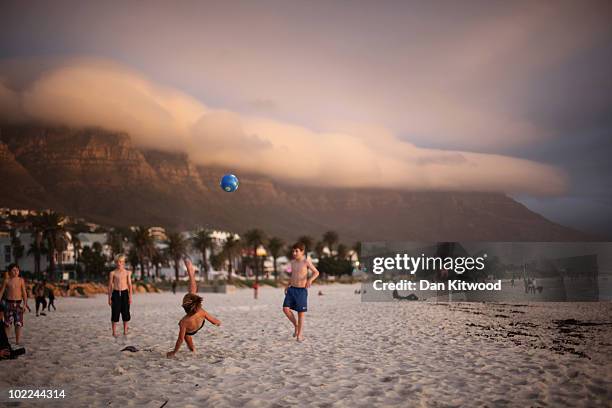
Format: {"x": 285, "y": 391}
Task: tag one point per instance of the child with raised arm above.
{"x": 16, "y": 301}
{"x": 120, "y": 295}
{"x": 195, "y": 316}
{"x": 296, "y": 294}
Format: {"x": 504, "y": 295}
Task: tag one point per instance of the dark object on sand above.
{"x": 411, "y": 296}
{"x": 5, "y": 345}
{"x": 164, "y": 404}
{"x": 17, "y": 352}
{"x": 132, "y": 349}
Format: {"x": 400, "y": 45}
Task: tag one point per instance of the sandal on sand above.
{"x": 131, "y": 349}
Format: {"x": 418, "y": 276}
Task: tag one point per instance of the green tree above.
{"x": 216, "y": 261}
{"x": 17, "y": 247}
{"x": 202, "y": 241}
{"x": 116, "y": 241}
{"x": 52, "y": 225}
{"x": 142, "y": 242}
{"x": 231, "y": 248}
{"x": 342, "y": 251}
{"x": 159, "y": 258}
{"x": 334, "y": 267}
{"x": 77, "y": 247}
{"x": 276, "y": 246}
{"x": 94, "y": 261}
{"x": 318, "y": 249}
{"x": 133, "y": 259}
{"x": 253, "y": 239}
{"x": 37, "y": 249}
{"x": 177, "y": 249}
{"x": 357, "y": 249}
{"x": 308, "y": 243}
{"x": 330, "y": 238}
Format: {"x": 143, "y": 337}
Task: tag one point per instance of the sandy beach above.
{"x": 356, "y": 354}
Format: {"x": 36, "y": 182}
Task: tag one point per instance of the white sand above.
{"x": 355, "y": 354}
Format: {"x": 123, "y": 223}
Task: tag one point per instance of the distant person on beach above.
{"x": 296, "y": 294}
{"x": 195, "y": 316}
{"x": 16, "y": 301}
{"x": 39, "y": 297}
{"x": 174, "y": 286}
{"x": 120, "y": 295}
{"x": 51, "y": 300}
{"x": 255, "y": 290}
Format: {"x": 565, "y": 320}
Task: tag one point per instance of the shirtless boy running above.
{"x": 120, "y": 294}
{"x": 296, "y": 294}
{"x": 16, "y": 302}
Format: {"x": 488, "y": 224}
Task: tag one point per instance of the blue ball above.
{"x": 229, "y": 183}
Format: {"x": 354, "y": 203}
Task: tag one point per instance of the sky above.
{"x": 444, "y": 95}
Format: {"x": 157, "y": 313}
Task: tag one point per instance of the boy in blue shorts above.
{"x": 296, "y": 294}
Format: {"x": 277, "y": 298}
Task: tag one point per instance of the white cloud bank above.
{"x": 93, "y": 92}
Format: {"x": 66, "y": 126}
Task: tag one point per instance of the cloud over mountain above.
{"x": 95, "y": 92}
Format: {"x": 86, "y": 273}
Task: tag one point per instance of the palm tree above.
{"x": 229, "y": 251}
{"x": 133, "y": 259}
{"x": 318, "y": 249}
{"x": 144, "y": 246}
{"x": 308, "y": 242}
{"x": 275, "y": 245}
{"x": 52, "y": 225}
{"x": 37, "y": 249}
{"x": 115, "y": 240}
{"x": 17, "y": 247}
{"x": 357, "y": 248}
{"x": 76, "y": 245}
{"x": 177, "y": 249}
{"x": 330, "y": 238}
{"x": 342, "y": 251}
{"x": 254, "y": 238}
{"x": 159, "y": 258}
{"x": 202, "y": 240}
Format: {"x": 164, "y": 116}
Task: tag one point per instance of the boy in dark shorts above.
{"x": 296, "y": 294}
{"x": 120, "y": 295}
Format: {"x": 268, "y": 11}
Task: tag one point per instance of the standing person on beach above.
{"x": 16, "y": 301}
{"x": 296, "y": 294}
{"x": 120, "y": 295}
{"x": 255, "y": 290}
{"x": 196, "y": 316}
{"x": 51, "y": 300}
{"x": 39, "y": 296}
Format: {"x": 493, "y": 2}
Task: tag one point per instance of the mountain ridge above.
{"x": 101, "y": 175}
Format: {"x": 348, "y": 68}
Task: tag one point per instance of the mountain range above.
{"x": 102, "y": 176}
